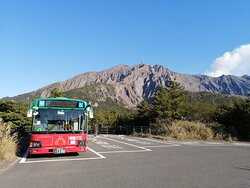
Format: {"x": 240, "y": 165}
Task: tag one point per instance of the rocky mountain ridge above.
{"x": 142, "y": 81}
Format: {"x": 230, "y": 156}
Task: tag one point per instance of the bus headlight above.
{"x": 35, "y": 144}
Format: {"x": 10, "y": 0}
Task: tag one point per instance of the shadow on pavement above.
{"x": 52, "y": 155}
{"x": 23, "y": 144}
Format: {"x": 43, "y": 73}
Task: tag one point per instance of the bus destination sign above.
{"x": 61, "y": 103}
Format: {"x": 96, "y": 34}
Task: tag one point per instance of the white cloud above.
{"x": 236, "y": 62}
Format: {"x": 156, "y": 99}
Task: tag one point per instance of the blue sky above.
{"x": 45, "y": 41}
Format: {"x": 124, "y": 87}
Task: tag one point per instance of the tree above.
{"x": 15, "y": 114}
{"x": 56, "y": 93}
{"x": 161, "y": 104}
{"x": 169, "y": 103}
{"x": 143, "y": 108}
{"x": 144, "y": 116}
{"x": 236, "y": 118}
{"x": 203, "y": 112}
{"x": 177, "y": 99}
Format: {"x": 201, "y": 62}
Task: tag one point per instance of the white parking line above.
{"x": 143, "y": 148}
{"x": 23, "y": 159}
{"x": 9, "y": 166}
{"x": 157, "y": 141}
{"x": 163, "y": 146}
{"x": 58, "y": 160}
{"x": 100, "y": 156}
{"x": 105, "y": 144}
{"x": 166, "y": 143}
{"x": 97, "y": 153}
{"x": 187, "y": 143}
{"x": 124, "y": 151}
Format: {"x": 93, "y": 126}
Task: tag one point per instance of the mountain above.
{"x": 124, "y": 85}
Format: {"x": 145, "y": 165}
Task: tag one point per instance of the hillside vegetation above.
{"x": 172, "y": 113}
{"x": 14, "y": 126}
{"x": 182, "y": 115}
{"x": 99, "y": 94}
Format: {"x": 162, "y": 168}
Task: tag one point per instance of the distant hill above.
{"x": 127, "y": 86}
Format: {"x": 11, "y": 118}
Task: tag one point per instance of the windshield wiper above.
{"x": 51, "y": 128}
{"x": 46, "y": 128}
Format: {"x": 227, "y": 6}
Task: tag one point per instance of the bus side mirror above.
{"x": 89, "y": 109}
{"x": 29, "y": 113}
{"x": 91, "y": 115}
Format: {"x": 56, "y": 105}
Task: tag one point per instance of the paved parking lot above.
{"x": 126, "y": 161}
{"x": 104, "y": 144}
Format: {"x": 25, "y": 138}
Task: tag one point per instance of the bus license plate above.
{"x": 59, "y": 150}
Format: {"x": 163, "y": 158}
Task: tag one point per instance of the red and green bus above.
{"x": 59, "y": 125}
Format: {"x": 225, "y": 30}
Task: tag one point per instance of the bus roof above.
{"x": 59, "y": 98}
{"x": 36, "y": 103}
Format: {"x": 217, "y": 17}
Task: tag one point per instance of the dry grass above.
{"x": 8, "y": 142}
{"x": 183, "y": 130}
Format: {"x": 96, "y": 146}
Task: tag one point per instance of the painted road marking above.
{"x": 188, "y": 143}
{"x": 105, "y": 144}
{"x": 23, "y": 159}
{"x": 136, "y": 151}
{"x": 95, "y": 152}
{"x": 152, "y": 140}
{"x": 163, "y": 146}
{"x": 124, "y": 151}
{"x": 100, "y": 156}
{"x": 140, "y": 147}
{"x": 135, "y": 140}
{"x": 166, "y": 144}
{"x": 161, "y": 142}
{"x": 9, "y": 166}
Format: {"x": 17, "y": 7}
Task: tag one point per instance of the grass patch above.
{"x": 8, "y": 142}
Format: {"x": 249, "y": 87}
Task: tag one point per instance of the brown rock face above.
{"x": 142, "y": 81}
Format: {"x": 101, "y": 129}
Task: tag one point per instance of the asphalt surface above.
{"x": 125, "y": 161}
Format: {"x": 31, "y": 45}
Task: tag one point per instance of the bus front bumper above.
{"x": 53, "y": 150}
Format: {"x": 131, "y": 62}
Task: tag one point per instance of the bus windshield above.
{"x": 49, "y": 120}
